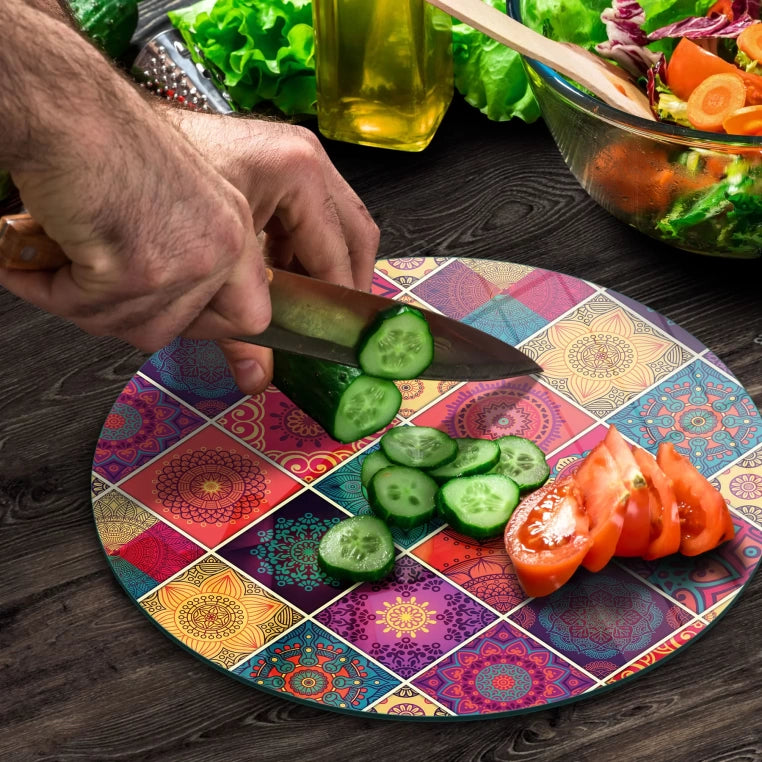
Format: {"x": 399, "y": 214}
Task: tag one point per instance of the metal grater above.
{"x": 165, "y": 66}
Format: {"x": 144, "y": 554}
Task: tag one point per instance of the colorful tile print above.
{"x": 518, "y": 406}
{"x": 699, "y": 583}
{"x": 407, "y": 271}
{"x": 212, "y": 610}
{"x": 601, "y": 619}
{"x": 602, "y": 355}
{"x": 566, "y": 461}
{"x": 143, "y": 423}
{"x": 159, "y": 552}
{"x": 707, "y": 417}
{"x": 312, "y": 664}
{"x": 408, "y": 702}
{"x": 417, "y": 393}
{"x": 505, "y": 318}
{"x": 502, "y": 671}
{"x": 281, "y": 551}
{"x": 712, "y": 358}
{"x": 381, "y": 286}
{"x": 408, "y": 620}
{"x": 741, "y": 484}
{"x": 136, "y": 582}
{"x": 664, "y": 649}
{"x": 196, "y": 372}
{"x": 456, "y": 290}
{"x": 549, "y": 294}
{"x": 97, "y": 485}
{"x": 481, "y": 568}
{"x": 272, "y": 424}
{"x": 119, "y": 520}
{"x": 501, "y": 274}
{"x": 211, "y": 486}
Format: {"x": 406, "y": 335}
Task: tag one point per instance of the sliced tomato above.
{"x": 664, "y": 534}
{"x": 702, "y": 509}
{"x": 636, "y": 529}
{"x": 605, "y": 499}
{"x": 547, "y": 537}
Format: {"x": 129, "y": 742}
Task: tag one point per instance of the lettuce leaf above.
{"x": 490, "y": 76}
{"x": 258, "y": 50}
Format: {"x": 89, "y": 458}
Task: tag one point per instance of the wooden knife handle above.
{"x": 24, "y": 245}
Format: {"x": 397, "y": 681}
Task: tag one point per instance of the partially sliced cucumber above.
{"x": 398, "y": 345}
{"x": 374, "y": 461}
{"x": 523, "y": 461}
{"x": 478, "y": 506}
{"x": 475, "y": 456}
{"x": 418, "y": 446}
{"x": 403, "y": 496}
{"x": 357, "y": 549}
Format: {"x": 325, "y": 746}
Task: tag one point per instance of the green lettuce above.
{"x": 258, "y": 50}
{"x": 490, "y": 76}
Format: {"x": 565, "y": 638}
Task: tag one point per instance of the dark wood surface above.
{"x": 84, "y": 676}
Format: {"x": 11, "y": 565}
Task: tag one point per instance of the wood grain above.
{"x": 84, "y": 677}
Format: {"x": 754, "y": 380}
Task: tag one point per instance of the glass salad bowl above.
{"x": 696, "y": 191}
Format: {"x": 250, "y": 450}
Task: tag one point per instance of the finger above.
{"x": 251, "y": 366}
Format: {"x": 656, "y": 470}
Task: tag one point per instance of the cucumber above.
{"x": 110, "y": 24}
{"x": 523, "y": 461}
{"x": 475, "y": 456}
{"x": 373, "y": 462}
{"x": 418, "y": 446}
{"x": 403, "y": 496}
{"x": 398, "y": 345}
{"x": 478, "y": 506}
{"x": 357, "y": 549}
{"x": 348, "y": 404}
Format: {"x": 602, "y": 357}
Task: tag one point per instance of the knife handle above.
{"x": 24, "y": 245}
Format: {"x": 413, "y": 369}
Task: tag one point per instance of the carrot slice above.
{"x": 750, "y": 41}
{"x": 744, "y": 121}
{"x": 714, "y": 99}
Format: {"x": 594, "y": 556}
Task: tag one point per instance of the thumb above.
{"x": 251, "y": 366}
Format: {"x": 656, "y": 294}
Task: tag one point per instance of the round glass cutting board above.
{"x": 210, "y": 505}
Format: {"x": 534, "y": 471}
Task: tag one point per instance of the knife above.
{"x": 313, "y": 317}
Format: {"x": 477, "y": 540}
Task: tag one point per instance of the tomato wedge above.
{"x": 547, "y": 537}
{"x": 664, "y": 529}
{"x": 704, "y": 516}
{"x": 636, "y": 529}
{"x": 605, "y": 499}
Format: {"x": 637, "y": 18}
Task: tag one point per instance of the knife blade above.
{"x": 315, "y": 318}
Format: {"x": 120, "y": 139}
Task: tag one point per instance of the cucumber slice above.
{"x": 373, "y": 462}
{"x": 348, "y": 404}
{"x": 398, "y": 345}
{"x": 403, "y": 496}
{"x": 418, "y": 446}
{"x": 478, "y": 506}
{"x": 357, "y": 549}
{"x": 523, "y": 461}
{"x": 475, "y": 456}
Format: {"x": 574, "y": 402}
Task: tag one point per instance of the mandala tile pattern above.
{"x": 311, "y": 664}
{"x": 383, "y": 287}
{"x": 708, "y": 417}
{"x": 281, "y": 551}
{"x": 272, "y": 424}
{"x": 408, "y": 702}
{"x": 666, "y": 648}
{"x": 408, "y": 620}
{"x": 518, "y": 406}
{"x": 143, "y": 423}
{"x": 502, "y": 671}
{"x": 701, "y": 582}
{"x": 196, "y": 372}
{"x": 506, "y": 318}
{"x": 214, "y": 611}
{"x": 602, "y": 355}
{"x": 608, "y": 616}
{"x": 450, "y": 633}
{"x": 456, "y": 290}
{"x": 211, "y": 487}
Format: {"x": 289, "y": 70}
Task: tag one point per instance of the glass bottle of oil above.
{"x": 384, "y": 71}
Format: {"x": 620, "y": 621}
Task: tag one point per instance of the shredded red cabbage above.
{"x": 655, "y": 75}
{"x": 627, "y": 41}
{"x": 744, "y": 12}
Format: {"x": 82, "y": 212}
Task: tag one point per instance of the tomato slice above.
{"x": 636, "y": 529}
{"x": 664, "y": 529}
{"x": 547, "y": 537}
{"x": 605, "y": 499}
{"x": 702, "y": 509}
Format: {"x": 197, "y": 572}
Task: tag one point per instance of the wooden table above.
{"x": 85, "y": 677}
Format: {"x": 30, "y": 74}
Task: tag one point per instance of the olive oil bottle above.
{"x": 384, "y": 71}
